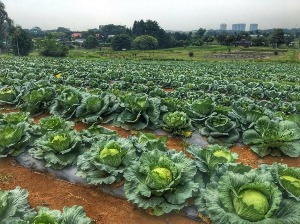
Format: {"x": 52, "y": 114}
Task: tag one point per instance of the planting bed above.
{"x": 234, "y": 128}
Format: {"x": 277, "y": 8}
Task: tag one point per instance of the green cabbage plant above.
{"x": 288, "y": 179}
{"x": 248, "y": 116}
{"x": 97, "y": 108}
{"x": 58, "y": 149}
{"x": 66, "y": 102}
{"x": 247, "y": 198}
{"x": 273, "y": 136}
{"x": 177, "y": 123}
{"x": 9, "y": 95}
{"x": 220, "y": 129}
{"x": 14, "y": 138}
{"x": 96, "y": 133}
{"x": 14, "y": 207}
{"x": 139, "y": 112}
{"x": 210, "y": 158}
{"x": 52, "y": 123}
{"x": 15, "y": 118}
{"x": 105, "y": 161}
{"x": 70, "y": 215}
{"x": 200, "y": 110}
{"x": 37, "y": 100}
{"x": 161, "y": 181}
{"x": 144, "y": 142}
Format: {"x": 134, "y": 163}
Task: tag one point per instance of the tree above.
{"x": 20, "y": 41}
{"x": 277, "y": 37}
{"x": 121, "y": 41}
{"x": 91, "y": 42}
{"x": 200, "y": 33}
{"x": 145, "y": 42}
{"x": 50, "y": 47}
{"x": 5, "y": 24}
{"x": 152, "y": 28}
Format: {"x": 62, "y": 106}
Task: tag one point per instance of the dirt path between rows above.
{"x": 46, "y": 190}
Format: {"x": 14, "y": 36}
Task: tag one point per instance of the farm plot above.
{"x": 227, "y": 121}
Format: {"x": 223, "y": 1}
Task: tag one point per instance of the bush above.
{"x": 191, "y": 54}
{"x": 54, "y": 49}
{"x": 145, "y": 42}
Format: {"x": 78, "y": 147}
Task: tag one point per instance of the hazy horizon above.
{"x": 171, "y": 15}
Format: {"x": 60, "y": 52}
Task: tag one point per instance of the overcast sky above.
{"x": 170, "y": 14}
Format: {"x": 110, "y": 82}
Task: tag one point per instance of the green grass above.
{"x": 202, "y": 53}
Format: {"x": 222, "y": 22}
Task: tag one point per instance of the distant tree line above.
{"x": 144, "y": 35}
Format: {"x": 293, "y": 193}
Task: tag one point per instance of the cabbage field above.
{"x": 210, "y": 107}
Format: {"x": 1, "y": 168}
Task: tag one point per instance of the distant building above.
{"x": 253, "y": 27}
{"x": 223, "y": 26}
{"x": 76, "y": 35}
{"x": 239, "y": 27}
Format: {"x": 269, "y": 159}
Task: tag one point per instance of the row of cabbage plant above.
{"x": 162, "y": 180}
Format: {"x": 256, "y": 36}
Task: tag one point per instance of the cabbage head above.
{"x": 161, "y": 181}
{"x": 220, "y": 129}
{"x": 273, "y": 136}
{"x": 14, "y": 138}
{"x": 58, "y": 149}
{"x": 177, "y": 123}
{"x": 138, "y": 112}
{"x": 105, "y": 161}
{"x": 247, "y": 198}
{"x": 14, "y": 206}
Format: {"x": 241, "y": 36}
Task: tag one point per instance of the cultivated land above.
{"x": 217, "y": 94}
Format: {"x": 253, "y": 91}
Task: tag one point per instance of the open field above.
{"x": 225, "y": 118}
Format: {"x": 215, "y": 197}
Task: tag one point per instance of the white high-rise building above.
{"x": 239, "y": 27}
{"x": 253, "y": 27}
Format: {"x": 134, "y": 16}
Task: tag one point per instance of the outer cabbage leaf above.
{"x": 105, "y": 161}
{"x": 57, "y": 149}
{"x": 74, "y": 214}
{"x": 160, "y": 181}
{"x": 14, "y": 206}
{"x": 268, "y": 135}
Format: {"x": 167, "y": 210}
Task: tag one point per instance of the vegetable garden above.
{"x": 208, "y": 108}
